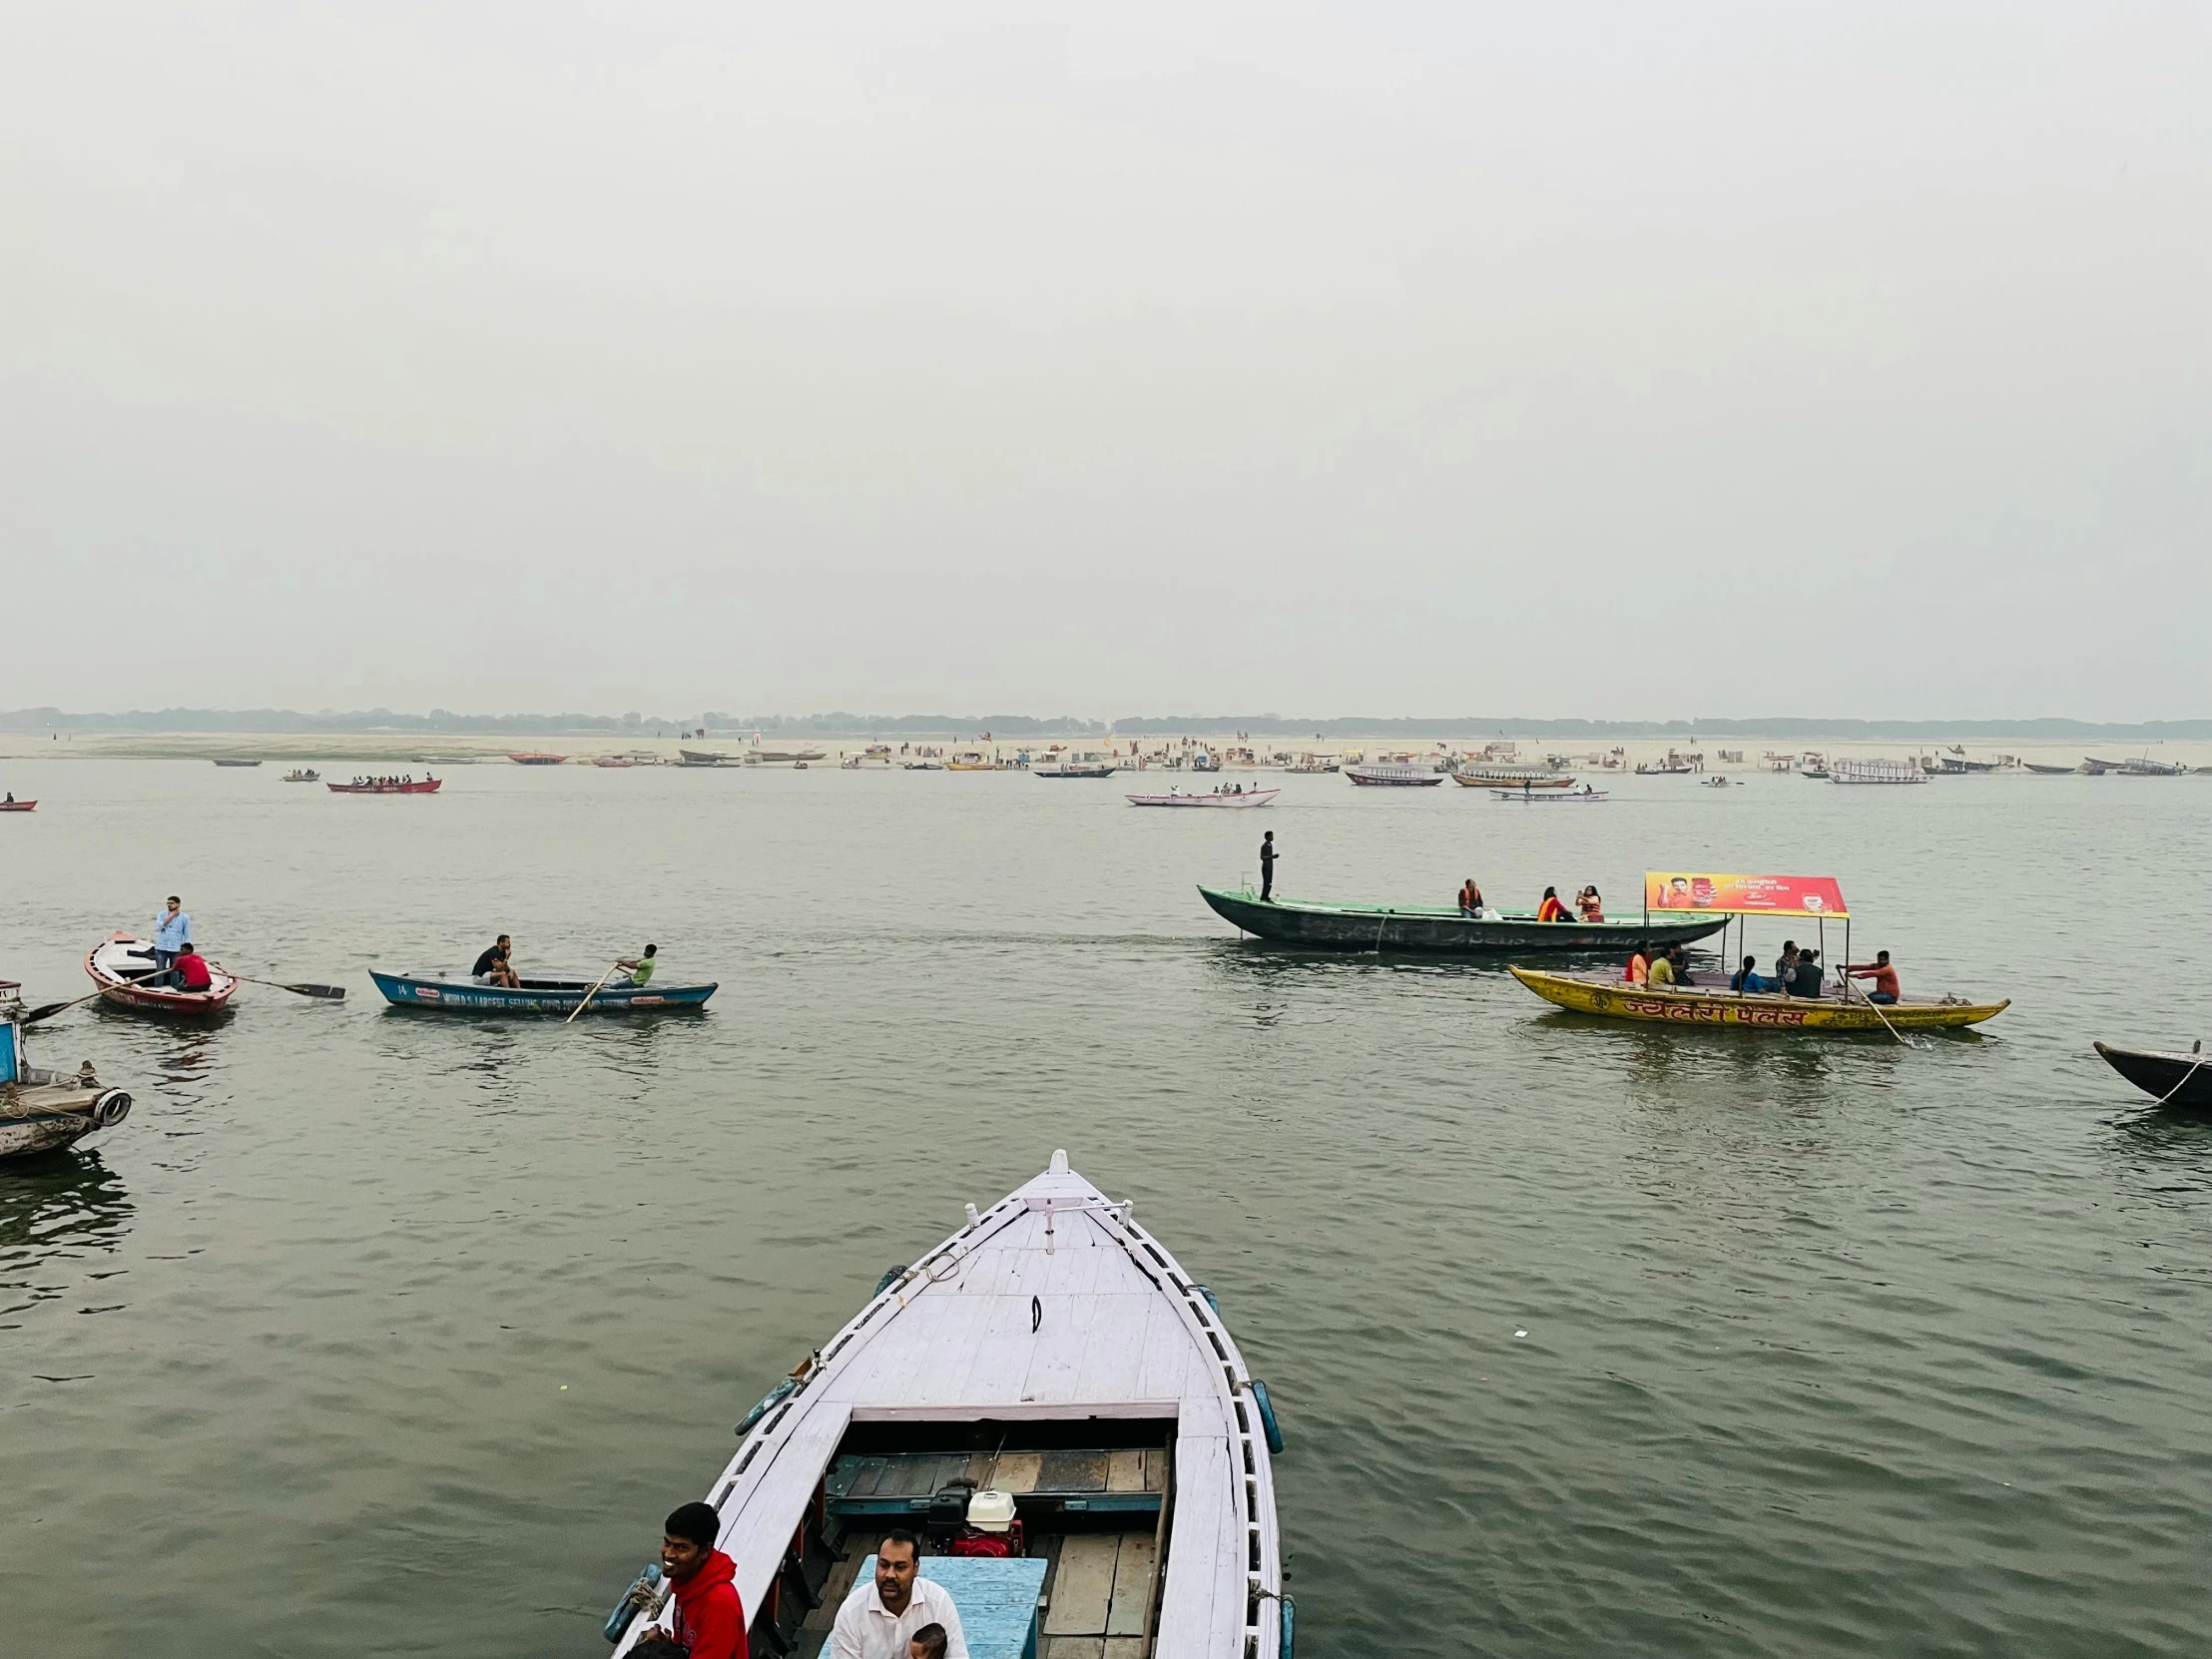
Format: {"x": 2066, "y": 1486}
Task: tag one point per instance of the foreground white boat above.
{"x": 1053, "y": 1350}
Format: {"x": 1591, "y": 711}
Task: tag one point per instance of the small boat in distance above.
{"x": 535, "y": 996}
{"x": 1512, "y": 777}
{"x": 46, "y": 1110}
{"x": 1175, "y": 798}
{"x": 1075, "y": 768}
{"x": 120, "y": 965}
{"x": 614, "y": 761}
{"x": 1393, "y": 775}
{"x": 537, "y": 759}
{"x": 228, "y": 762}
{"x": 18, "y": 806}
{"x": 1877, "y": 772}
{"x": 704, "y": 758}
{"x": 2176, "y": 1079}
{"x": 2051, "y": 771}
{"x": 387, "y": 786}
{"x": 296, "y": 777}
{"x": 1049, "y": 1365}
{"x": 1537, "y": 797}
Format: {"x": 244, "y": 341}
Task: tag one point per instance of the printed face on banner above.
{"x": 1732, "y": 894}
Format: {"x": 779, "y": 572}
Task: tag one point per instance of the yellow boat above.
{"x": 1591, "y": 993}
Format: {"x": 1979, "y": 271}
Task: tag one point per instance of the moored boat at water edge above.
{"x": 2050, "y": 770}
{"x": 1246, "y": 797}
{"x": 42, "y": 1110}
{"x": 389, "y": 785}
{"x": 535, "y": 996}
{"x": 2175, "y": 1079}
{"x": 1074, "y": 769}
{"x": 1052, "y": 1353}
{"x": 537, "y": 758}
{"x": 1877, "y": 772}
{"x": 121, "y": 964}
{"x": 234, "y": 763}
{"x": 1701, "y": 1004}
{"x": 1438, "y": 928}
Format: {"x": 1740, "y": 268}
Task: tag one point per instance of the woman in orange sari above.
{"x": 1551, "y": 909}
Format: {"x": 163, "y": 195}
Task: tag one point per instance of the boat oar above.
{"x": 1878, "y": 1013}
{"x": 594, "y": 991}
{"x": 49, "y": 1010}
{"x": 330, "y": 992}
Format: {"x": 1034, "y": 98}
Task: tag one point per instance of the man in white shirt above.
{"x": 881, "y": 1614}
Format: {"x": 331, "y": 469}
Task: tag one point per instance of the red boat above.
{"x": 119, "y": 962}
{"x": 16, "y": 806}
{"x": 429, "y": 785}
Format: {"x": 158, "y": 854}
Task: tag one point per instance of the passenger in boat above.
{"x": 171, "y": 934}
{"x": 1470, "y": 900}
{"x": 1785, "y": 967}
{"x": 1267, "y": 866}
{"x": 884, "y": 1614}
{"x": 1551, "y": 909}
{"x": 926, "y": 1643}
{"x": 1884, "y": 978}
{"x": 641, "y": 967}
{"x": 1807, "y": 980}
{"x": 1638, "y": 971}
{"x": 1661, "y": 970}
{"x": 1748, "y": 978}
{"x": 709, "y": 1615}
{"x": 1591, "y": 906}
{"x": 496, "y": 967}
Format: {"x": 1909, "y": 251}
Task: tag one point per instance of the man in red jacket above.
{"x": 710, "y": 1618}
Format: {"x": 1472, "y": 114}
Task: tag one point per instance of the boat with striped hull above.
{"x": 1438, "y": 928}
{"x": 1694, "y": 1004}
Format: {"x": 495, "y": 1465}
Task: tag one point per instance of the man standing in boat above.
{"x": 881, "y": 1615}
{"x": 172, "y": 933}
{"x": 1267, "y": 866}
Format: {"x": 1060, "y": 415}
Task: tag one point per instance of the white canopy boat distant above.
{"x": 1053, "y": 1350}
{"x": 1242, "y": 798}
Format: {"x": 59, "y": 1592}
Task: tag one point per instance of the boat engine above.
{"x": 948, "y": 1507}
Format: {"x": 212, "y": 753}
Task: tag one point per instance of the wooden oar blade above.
{"x": 332, "y": 992}
{"x": 46, "y": 1011}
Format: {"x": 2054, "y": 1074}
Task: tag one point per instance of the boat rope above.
{"x": 2201, "y": 1058}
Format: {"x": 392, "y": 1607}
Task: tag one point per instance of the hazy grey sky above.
{"x": 1633, "y": 361}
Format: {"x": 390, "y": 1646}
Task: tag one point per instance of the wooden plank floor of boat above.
{"x": 1097, "y": 1583}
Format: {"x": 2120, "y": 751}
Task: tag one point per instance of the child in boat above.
{"x": 926, "y": 1643}
{"x": 1884, "y": 978}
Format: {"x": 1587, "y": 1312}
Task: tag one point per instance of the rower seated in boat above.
{"x": 496, "y": 967}
{"x": 1551, "y": 909}
{"x": 641, "y": 967}
{"x": 190, "y": 971}
{"x": 1884, "y": 978}
{"x": 1470, "y": 900}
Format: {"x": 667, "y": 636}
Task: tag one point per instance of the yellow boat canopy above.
{"x": 1669, "y": 890}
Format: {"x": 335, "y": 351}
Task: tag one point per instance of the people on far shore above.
{"x": 1884, "y": 978}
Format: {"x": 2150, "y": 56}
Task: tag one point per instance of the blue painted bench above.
{"x": 997, "y": 1599}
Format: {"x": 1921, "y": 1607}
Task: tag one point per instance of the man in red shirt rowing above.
{"x": 1884, "y": 978}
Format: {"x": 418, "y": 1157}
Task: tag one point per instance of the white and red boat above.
{"x": 379, "y": 786}
{"x": 17, "y": 805}
{"x": 1242, "y": 797}
{"x": 121, "y": 963}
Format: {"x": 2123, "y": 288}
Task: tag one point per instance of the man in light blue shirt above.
{"x": 172, "y": 933}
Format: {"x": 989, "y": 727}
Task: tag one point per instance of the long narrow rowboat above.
{"x": 427, "y": 786}
{"x": 536, "y": 997}
{"x": 1437, "y": 928}
{"x": 1597, "y": 993}
{"x": 1051, "y": 1350}
{"x": 1250, "y": 797}
{"x": 1392, "y": 774}
{"x": 121, "y": 963}
{"x": 1581, "y": 792}
{"x": 536, "y": 758}
{"x": 2176, "y": 1079}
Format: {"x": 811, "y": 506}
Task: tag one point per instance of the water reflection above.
{"x": 60, "y": 1202}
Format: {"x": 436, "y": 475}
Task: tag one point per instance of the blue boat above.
{"x": 536, "y": 997}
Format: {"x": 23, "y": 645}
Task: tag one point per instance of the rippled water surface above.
{"x": 380, "y": 1334}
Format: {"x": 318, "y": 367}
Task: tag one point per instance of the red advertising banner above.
{"x": 1744, "y": 895}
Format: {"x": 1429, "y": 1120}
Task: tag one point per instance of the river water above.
{"x": 384, "y": 1334}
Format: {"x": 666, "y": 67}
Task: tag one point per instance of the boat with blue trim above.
{"x": 533, "y": 997}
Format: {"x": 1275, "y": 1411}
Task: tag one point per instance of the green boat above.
{"x": 1440, "y": 929}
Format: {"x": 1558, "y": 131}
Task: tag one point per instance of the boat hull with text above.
{"x": 1717, "y": 1005}
{"x": 535, "y": 996}
{"x": 1439, "y": 930}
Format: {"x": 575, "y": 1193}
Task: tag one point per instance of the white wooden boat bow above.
{"x": 1054, "y": 1306}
